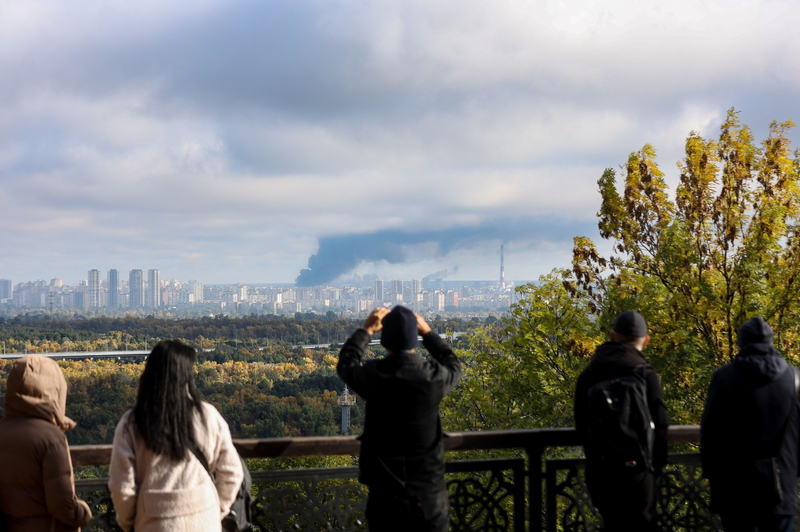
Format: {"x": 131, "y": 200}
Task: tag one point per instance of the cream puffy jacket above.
{"x": 155, "y": 493}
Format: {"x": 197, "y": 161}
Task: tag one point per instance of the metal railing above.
{"x": 485, "y": 495}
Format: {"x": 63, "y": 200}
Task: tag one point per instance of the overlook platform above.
{"x": 538, "y": 487}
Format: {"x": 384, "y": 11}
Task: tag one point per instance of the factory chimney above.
{"x": 502, "y": 270}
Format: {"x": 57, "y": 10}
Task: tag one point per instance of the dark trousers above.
{"x": 626, "y": 501}
{"x": 733, "y": 521}
{"x": 622, "y": 520}
{"x": 390, "y": 513}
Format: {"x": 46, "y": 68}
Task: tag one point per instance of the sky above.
{"x": 249, "y": 141}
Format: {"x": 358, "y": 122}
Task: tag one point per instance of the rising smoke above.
{"x": 340, "y": 254}
{"x": 441, "y": 274}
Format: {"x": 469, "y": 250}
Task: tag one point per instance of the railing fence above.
{"x": 485, "y": 495}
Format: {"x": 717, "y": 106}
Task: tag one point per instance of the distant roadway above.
{"x": 130, "y": 354}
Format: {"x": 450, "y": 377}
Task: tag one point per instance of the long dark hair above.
{"x": 167, "y": 400}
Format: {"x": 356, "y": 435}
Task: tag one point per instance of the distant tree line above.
{"x": 38, "y": 333}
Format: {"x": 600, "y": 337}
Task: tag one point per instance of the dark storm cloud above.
{"x": 339, "y": 254}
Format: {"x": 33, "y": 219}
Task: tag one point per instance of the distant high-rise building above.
{"x": 136, "y": 289}
{"x": 93, "y": 293}
{"x": 197, "y": 289}
{"x": 152, "y": 296}
{"x": 397, "y": 286}
{"x": 79, "y": 299}
{"x": 416, "y": 286}
{"x": 113, "y": 289}
{"x": 378, "y": 290}
{"x": 451, "y": 298}
{"x": 6, "y": 289}
{"x": 241, "y": 291}
{"x": 438, "y": 301}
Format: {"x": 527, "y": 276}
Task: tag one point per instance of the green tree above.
{"x": 697, "y": 264}
{"x": 520, "y": 372}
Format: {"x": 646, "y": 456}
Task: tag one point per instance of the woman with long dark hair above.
{"x": 156, "y": 480}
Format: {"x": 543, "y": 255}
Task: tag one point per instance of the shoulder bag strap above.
{"x": 200, "y": 457}
{"x": 792, "y": 408}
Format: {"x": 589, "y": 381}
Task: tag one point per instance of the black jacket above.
{"x": 748, "y": 402}
{"x": 402, "y": 424}
{"x": 612, "y": 360}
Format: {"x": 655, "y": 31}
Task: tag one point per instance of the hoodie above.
{"x": 37, "y": 490}
{"x": 749, "y": 402}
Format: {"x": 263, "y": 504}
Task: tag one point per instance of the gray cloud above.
{"x": 228, "y": 139}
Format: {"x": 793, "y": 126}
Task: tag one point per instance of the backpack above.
{"x": 240, "y": 517}
{"x": 621, "y": 430}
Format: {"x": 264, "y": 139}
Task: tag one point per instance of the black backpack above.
{"x": 621, "y": 430}
{"x": 240, "y": 517}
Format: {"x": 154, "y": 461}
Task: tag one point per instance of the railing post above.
{"x": 519, "y": 498}
{"x": 535, "y": 489}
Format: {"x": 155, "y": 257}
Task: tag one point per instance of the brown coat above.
{"x": 37, "y": 490}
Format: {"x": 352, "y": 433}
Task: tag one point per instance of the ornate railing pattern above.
{"x": 682, "y": 500}
{"x": 485, "y": 495}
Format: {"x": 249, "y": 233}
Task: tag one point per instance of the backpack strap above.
{"x": 641, "y": 369}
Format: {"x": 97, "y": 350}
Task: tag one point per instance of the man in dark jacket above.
{"x": 750, "y": 415}
{"x": 625, "y": 497}
{"x": 402, "y": 453}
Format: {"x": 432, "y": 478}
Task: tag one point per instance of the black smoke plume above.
{"x": 339, "y": 254}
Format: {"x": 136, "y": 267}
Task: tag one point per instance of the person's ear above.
{"x": 612, "y": 336}
{"x": 646, "y": 340}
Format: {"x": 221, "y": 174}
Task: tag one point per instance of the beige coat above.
{"x": 37, "y": 492}
{"x": 154, "y": 493}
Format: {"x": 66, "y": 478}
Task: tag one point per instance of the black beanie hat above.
{"x": 631, "y": 324}
{"x": 755, "y": 331}
{"x": 399, "y": 331}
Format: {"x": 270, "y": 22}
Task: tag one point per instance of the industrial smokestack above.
{"x": 502, "y": 270}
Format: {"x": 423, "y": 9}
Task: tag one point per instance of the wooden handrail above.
{"x": 88, "y": 455}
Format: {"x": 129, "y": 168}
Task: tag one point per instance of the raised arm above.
{"x": 442, "y": 353}
{"x": 349, "y": 367}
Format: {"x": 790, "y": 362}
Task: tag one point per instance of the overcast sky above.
{"x": 231, "y": 141}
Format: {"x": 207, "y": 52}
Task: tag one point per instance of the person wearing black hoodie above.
{"x": 750, "y": 415}
{"x": 626, "y": 500}
{"x": 402, "y": 451}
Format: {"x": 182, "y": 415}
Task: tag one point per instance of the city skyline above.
{"x": 153, "y": 294}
